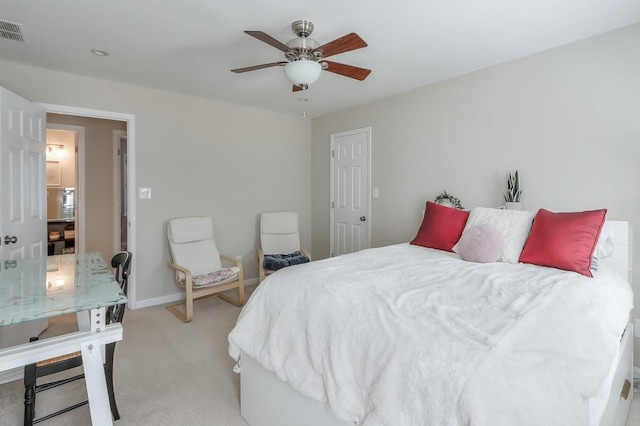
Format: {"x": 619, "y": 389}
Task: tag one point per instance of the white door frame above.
{"x": 117, "y": 208}
{"x": 80, "y": 175}
{"x": 130, "y": 119}
{"x": 332, "y": 183}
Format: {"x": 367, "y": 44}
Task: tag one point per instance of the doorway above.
{"x": 65, "y": 221}
{"x": 129, "y": 122}
{"x": 99, "y": 229}
{"x": 350, "y": 215}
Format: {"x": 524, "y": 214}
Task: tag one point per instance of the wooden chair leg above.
{"x": 228, "y": 299}
{"x": 241, "y": 294}
{"x": 108, "y": 371}
{"x": 188, "y": 309}
{"x": 176, "y": 312}
{"x": 29, "y": 394}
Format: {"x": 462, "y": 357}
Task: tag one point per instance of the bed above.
{"x": 408, "y": 335}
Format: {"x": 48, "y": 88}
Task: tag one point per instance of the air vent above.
{"x": 11, "y": 31}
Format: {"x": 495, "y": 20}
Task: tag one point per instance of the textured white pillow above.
{"x": 514, "y": 225}
{"x": 482, "y": 244}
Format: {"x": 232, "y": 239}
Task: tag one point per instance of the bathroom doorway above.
{"x": 62, "y": 179}
{"x": 96, "y": 228}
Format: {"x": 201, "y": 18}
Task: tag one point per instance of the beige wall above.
{"x": 98, "y": 157}
{"x": 568, "y": 119}
{"x": 65, "y": 157}
{"x": 199, "y": 157}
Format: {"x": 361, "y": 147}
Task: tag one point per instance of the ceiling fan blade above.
{"x": 347, "y": 70}
{"x": 351, "y": 41}
{"x": 297, "y": 88}
{"x": 266, "y": 38}
{"x": 259, "y": 67}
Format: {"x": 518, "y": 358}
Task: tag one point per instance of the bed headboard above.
{"x": 621, "y": 258}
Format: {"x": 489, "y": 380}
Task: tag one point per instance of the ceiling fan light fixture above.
{"x": 303, "y": 72}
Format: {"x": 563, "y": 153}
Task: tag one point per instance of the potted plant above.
{"x": 514, "y": 191}
{"x": 448, "y": 200}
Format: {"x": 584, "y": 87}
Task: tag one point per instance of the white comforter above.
{"x": 403, "y": 335}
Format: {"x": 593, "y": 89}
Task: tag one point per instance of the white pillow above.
{"x": 514, "y": 225}
{"x": 604, "y": 248}
{"x": 605, "y": 245}
{"x": 482, "y": 244}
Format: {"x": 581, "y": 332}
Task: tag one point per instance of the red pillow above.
{"x": 441, "y": 227}
{"x": 564, "y": 240}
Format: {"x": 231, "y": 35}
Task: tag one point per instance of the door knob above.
{"x": 362, "y": 218}
{"x": 10, "y": 240}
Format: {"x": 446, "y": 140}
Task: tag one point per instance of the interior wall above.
{"x": 567, "y": 119}
{"x": 199, "y": 157}
{"x": 98, "y": 153}
{"x": 65, "y": 157}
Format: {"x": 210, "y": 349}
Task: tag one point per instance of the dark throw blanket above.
{"x": 274, "y": 262}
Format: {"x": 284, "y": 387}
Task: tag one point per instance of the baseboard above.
{"x": 176, "y": 297}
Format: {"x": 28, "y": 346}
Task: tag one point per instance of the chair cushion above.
{"x": 274, "y": 262}
{"x": 279, "y": 222}
{"x": 217, "y": 277}
{"x": 190, "y": 229}
{"x": 192, "y": 245}
{"x": 279, "y": 232}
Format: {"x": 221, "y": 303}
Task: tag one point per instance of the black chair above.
{"x": 122, "y": 264}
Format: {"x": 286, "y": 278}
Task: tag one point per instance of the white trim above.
{"x": 176, "y": 297}
{"x": 117, "y": 208}
{"x": 155, "y": 301}
{"x": 367, "y": 130}
{"x": 80, "y": 184}
{"x": 131, "y": 176}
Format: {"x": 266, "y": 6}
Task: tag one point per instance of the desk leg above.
{"x": 96, "y": 384}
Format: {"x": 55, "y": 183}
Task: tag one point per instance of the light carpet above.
{"x": 166, "y": 373}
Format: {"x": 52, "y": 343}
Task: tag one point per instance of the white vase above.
{"x": 511, "y": 205}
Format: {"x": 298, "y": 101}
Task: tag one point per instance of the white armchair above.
{"x": 280, "y": 238}
{"x": 197, "y": 264}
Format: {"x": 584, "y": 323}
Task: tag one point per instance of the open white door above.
{"x": 23, "y": 215}
{"x": 350, "y": 193}
{"x": 23, "y": 219}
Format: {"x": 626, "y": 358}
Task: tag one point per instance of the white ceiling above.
{"x": 189, "y": 46}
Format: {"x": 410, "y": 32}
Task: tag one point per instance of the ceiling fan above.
{"x": 306, "y": 57}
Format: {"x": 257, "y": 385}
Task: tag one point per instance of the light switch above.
{"x": 375, "y": 192}
{"x": 144, "y": 193}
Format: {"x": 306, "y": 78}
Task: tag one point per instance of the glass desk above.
{"x": 57, "y": 285}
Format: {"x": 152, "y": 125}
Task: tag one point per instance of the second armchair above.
{"x": 279, "y": 242}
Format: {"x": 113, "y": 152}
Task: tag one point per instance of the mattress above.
{"x": 409, "y": 335}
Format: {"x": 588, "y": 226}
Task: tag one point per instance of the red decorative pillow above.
{"x": 564, "y": 240}
{"x": 441, "y": 227}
